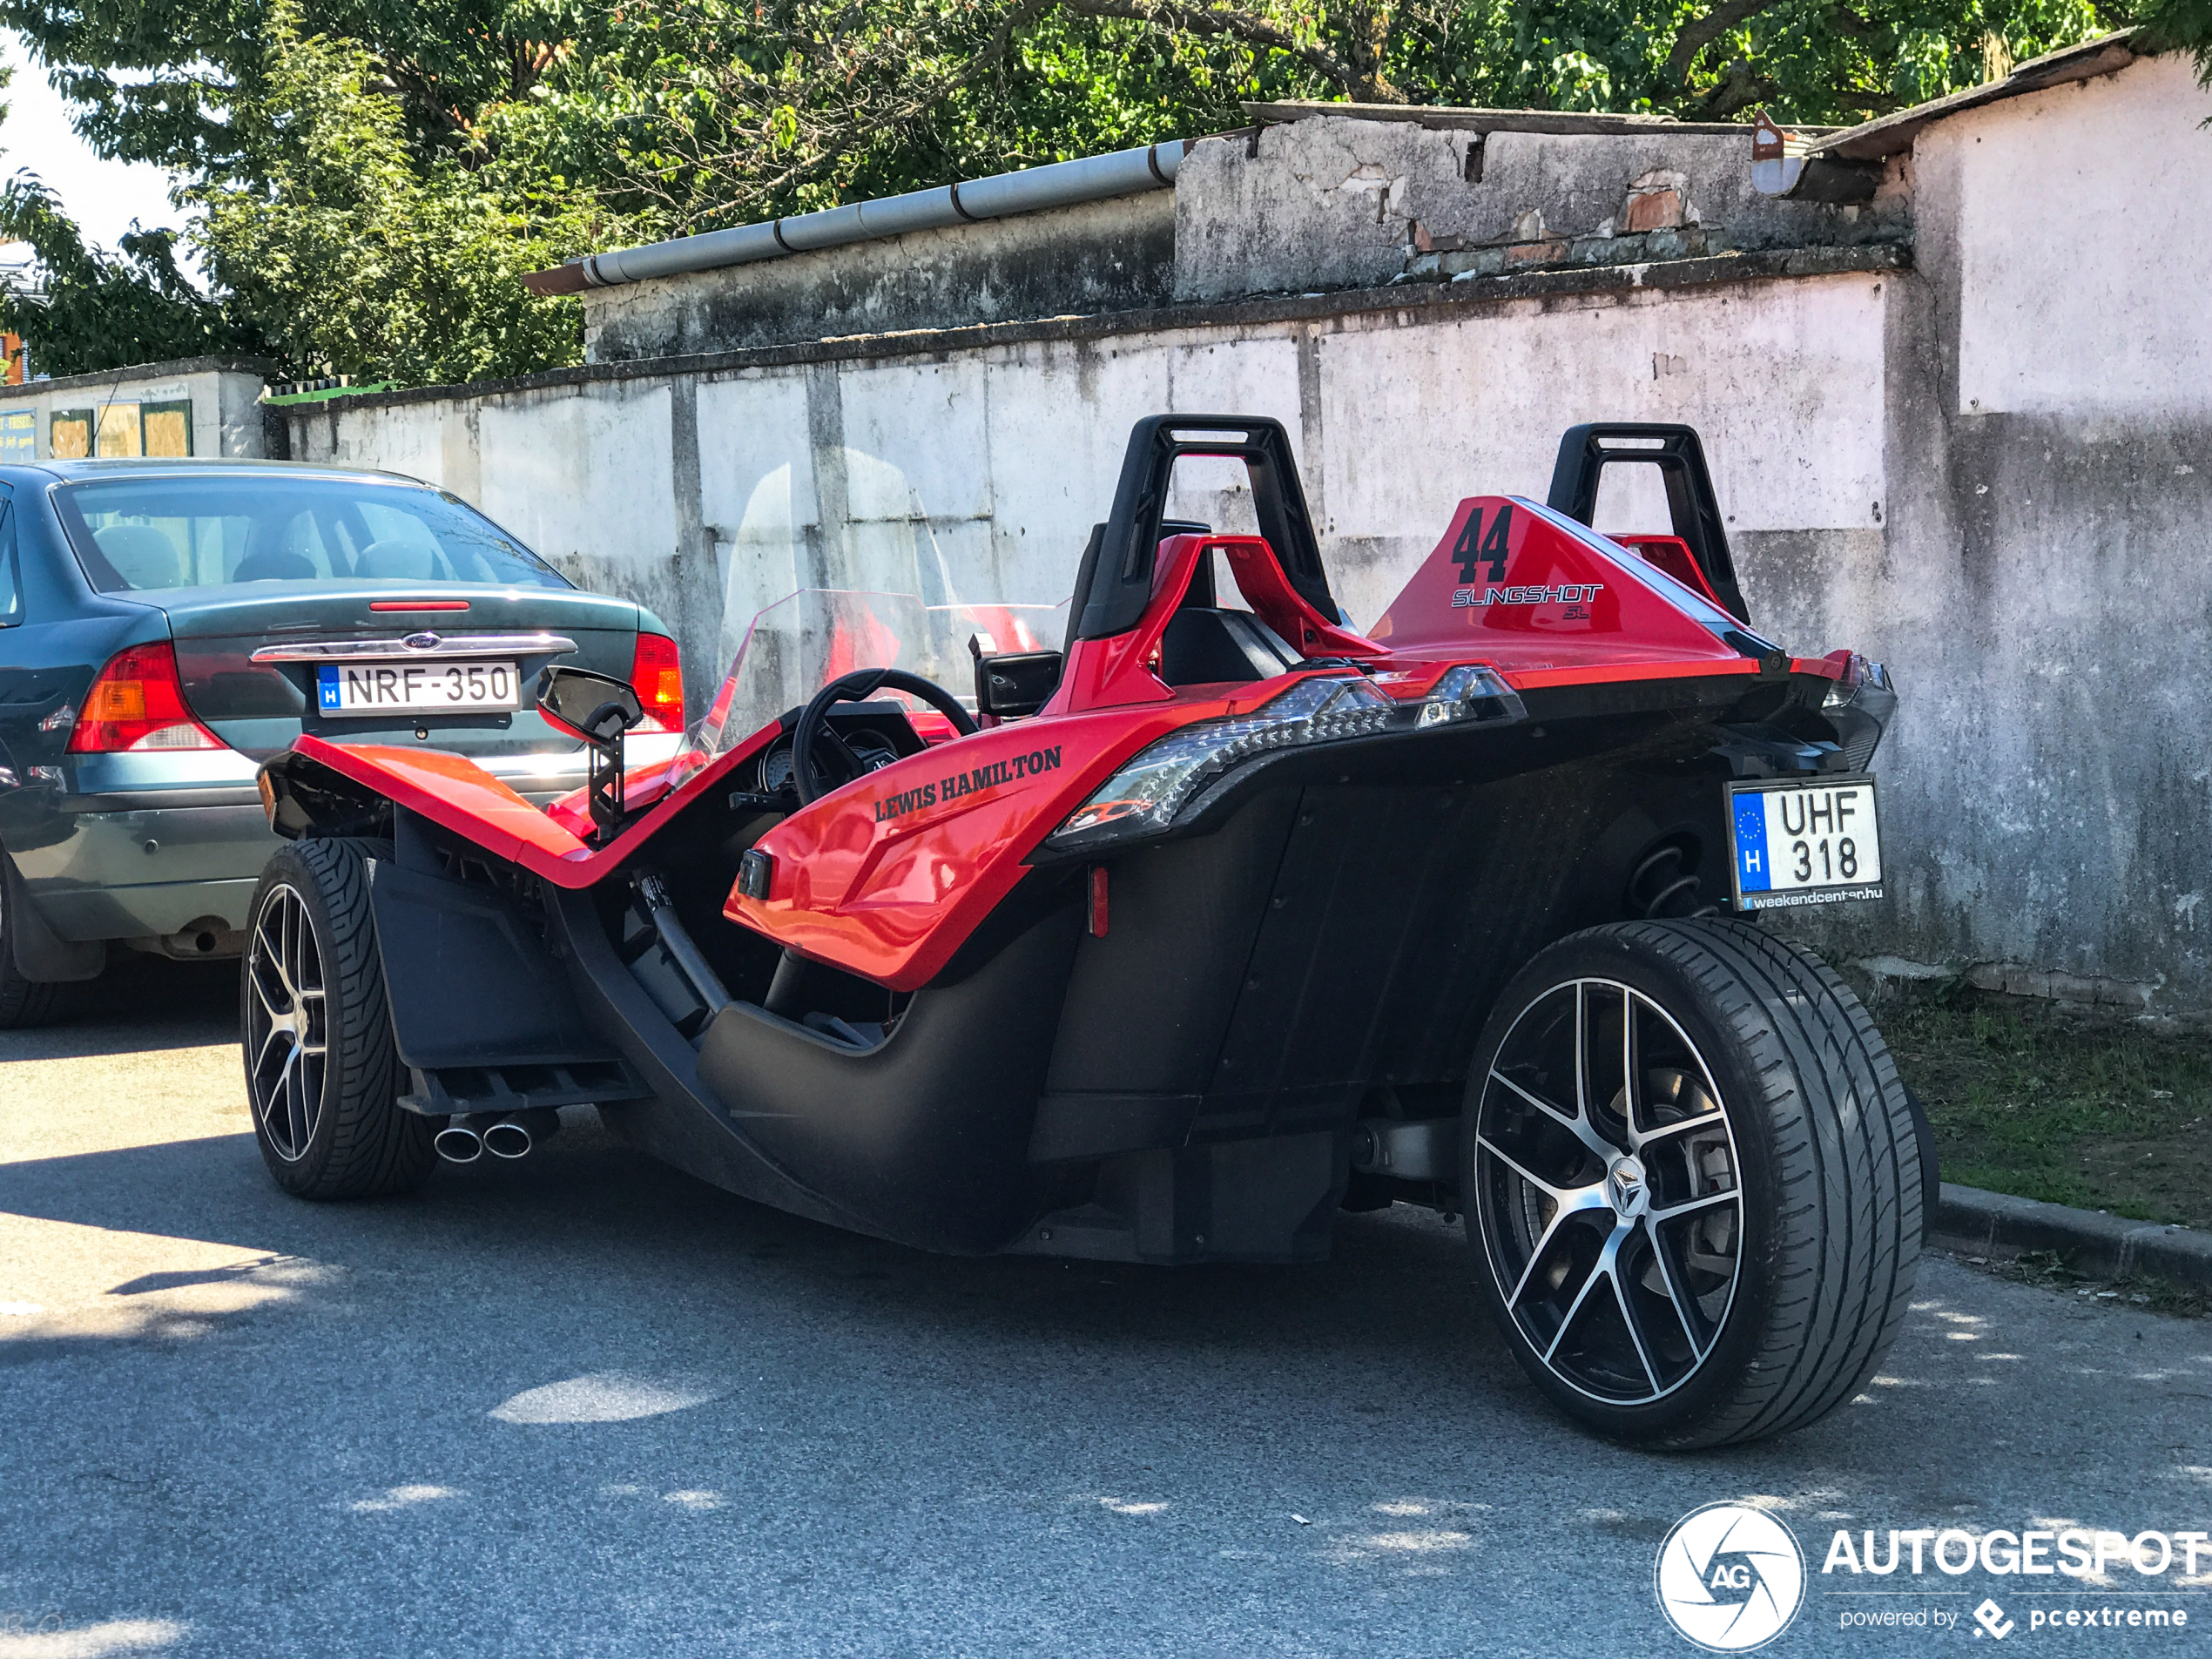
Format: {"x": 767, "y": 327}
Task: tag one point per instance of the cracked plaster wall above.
{"x": 1329, "y": 202}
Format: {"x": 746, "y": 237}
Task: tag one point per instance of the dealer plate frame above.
{"x": 1798, "y": 898}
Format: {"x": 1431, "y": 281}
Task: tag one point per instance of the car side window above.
{"x": 11, "y": 584}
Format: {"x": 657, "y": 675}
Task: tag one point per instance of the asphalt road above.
{"x": 583, "y": 1404}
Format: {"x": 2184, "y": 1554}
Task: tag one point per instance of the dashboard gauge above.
{"x": 775, "y": 769}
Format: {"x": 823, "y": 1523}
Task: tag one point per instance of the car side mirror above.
{"x": 596, "y": 707}
{"x": 1016, "y": 682}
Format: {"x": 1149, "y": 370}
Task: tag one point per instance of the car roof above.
{"x": 78, "y": 471}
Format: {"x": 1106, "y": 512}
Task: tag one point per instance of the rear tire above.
{"x": 22, "y": 1002}
{"x": 1725, "y": 1251}
{"x": 321, "y": 1069}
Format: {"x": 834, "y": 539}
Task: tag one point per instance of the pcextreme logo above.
{"x": 1729, "y": 1578}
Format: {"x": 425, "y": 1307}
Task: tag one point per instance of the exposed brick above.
{"x": 1652, "y": 209}
{"x": 1536, "y": 253}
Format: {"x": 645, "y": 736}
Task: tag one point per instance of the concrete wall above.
{"x": 224, "y": 395}
{"x": 2043, "y": 583}
{"x": 1313, "y": 206}
{"x": 976, "y": 471}
{"x": 1112, "y": 255}
{"x": 1328, "y": 202}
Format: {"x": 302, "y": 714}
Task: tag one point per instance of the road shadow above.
{"x": 580, "y": 1219}
{"x": 587, "y": 1254}
{"x": 140, "y": 1004}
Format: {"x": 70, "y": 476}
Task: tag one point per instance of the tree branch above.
{"x": 1701, "y": 32}
{"x": 834, "y": 140}
{"x": 1739, "y": 89}
{"x": 1237, "y": 25}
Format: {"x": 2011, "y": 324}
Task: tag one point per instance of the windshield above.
{"x": 147, "y": 533}
{"x": 801, "y": 644}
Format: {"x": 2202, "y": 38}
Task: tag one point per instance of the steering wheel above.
{"x": 813, "y": 724}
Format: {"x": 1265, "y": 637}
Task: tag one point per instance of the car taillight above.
{"x": 1144, "y": 797}
{"x": 657, "y": 674}
{"x": 138, "y": 704}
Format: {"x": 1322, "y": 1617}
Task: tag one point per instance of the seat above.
{"x": 274, "y": 565}
{"x": 410, "y": 561}
{"x": 1206, "y": 644}
{"x": 141, "y": 555}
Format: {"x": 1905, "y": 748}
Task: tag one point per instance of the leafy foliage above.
{"x": 334, "y": 234}
{"x": 2182, "y": 25}
{"x": 378, "y": 174}
{"x": 91, "y": 310}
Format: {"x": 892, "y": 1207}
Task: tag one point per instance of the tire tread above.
{"x": 1847, "y": 1177}
{"x": 375, "y": 1147}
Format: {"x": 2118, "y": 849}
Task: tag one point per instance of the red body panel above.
{"x": 1672, "y": 555}
{"x": 1259, "y": 576}
{"x": 887, "y": 877}
{"x": 1527, "y": 597}
{"x": 455, "y": 793}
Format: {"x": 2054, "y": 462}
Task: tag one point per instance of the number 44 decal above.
{"x": 1475, "y": 548}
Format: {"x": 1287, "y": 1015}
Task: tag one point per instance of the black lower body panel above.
{"x": 925, "y": 1137}
{"x": 681, "y": 1123}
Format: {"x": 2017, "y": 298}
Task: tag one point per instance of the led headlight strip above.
{"x": 1144, "y": 796}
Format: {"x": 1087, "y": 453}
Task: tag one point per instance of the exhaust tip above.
{"x": 507, "y": 1139}
{"x": 457, "y": 1144}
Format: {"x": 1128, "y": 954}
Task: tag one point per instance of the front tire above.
{"x": 1695, "y": 1190}
{"x": 321, "y": 1069}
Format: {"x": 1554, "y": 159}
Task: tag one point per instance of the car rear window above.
{"x": 142, "y": 535}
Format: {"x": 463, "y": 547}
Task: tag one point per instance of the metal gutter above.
{"x": 1062, "y": 184}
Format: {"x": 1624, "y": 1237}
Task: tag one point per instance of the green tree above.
{"x": 376, "y": 174}
{"x": 2182, "y": 25}
{"x": 83, "y": 309}
{"x": 362, "y": 256}
{"x": 727, "y": 109}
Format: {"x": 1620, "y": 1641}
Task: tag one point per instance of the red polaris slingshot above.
{"x": 1168, "y": 945}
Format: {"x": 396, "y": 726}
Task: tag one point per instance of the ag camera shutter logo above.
{"x": 1729, "y": 1578}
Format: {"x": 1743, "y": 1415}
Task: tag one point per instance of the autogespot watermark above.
{"x": 1731, "y": 1577}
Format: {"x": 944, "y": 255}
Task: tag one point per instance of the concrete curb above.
{"x": 1969, "y": 1219}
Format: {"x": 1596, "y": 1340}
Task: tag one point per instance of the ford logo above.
{"x": 422, "y": 642}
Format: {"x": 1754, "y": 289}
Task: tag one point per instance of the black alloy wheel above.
{"x": 321, "y": 1069}
{"x": 286, "y": 1022}
{"x": 1613, "y": 1216}
{"x": 1693, "y": 1182}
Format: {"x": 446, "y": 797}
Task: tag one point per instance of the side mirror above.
{"x": 1016, "y": 682}
{"x": 596, "y": 707}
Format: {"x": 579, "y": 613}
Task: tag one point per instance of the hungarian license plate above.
{"x": 417, "y": 687}
{"x": 1800, "y": 843}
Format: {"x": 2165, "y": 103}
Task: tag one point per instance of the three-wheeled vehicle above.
{"x": 1170, "y": 944}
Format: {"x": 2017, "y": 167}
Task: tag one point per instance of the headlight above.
{"x": 1859, "y": 706}
{"x": 1144, "y": 796}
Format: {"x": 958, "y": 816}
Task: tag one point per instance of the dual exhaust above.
{"x": 468, "y": 1136}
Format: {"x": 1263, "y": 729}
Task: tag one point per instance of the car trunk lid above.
{"x": 250, "y": 657}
